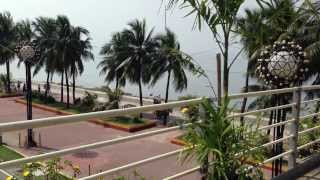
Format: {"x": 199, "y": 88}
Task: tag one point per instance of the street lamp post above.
{"x": 282, "y": 65}
{"x": 27, "y": 52}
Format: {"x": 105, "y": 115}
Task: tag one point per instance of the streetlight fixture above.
{"x": 280, "y": 66}
{"x": 28, "y": 53}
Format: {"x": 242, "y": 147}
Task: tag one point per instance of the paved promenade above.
{"x": 71, "y": 135}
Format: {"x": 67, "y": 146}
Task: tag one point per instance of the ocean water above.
{"x": 104, "y": 19}
{"x": 196, "y": 85}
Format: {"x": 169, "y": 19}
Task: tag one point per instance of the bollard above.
{"x": 89, "y": 169}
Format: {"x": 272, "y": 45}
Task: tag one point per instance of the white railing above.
{"x": 52, "y": 121}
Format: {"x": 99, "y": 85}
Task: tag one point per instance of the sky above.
{"x": 104, "y": 17}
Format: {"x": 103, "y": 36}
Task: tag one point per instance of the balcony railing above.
{"x": 291, "y": 138}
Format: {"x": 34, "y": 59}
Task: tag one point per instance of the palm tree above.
{"x": 112, "y": 58}
{"x": 46, "y": 34}
{"x": 171, "y": 60}
{"x": 260, "y": 28}
{"x": 64, "y": 29}
{"x": 79, "y": 50}
{"x": 139, "y": 49}
{"x": 7, "y": 42}
{"x": 305, "y": 30}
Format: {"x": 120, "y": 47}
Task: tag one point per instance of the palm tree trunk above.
{"x": 140, "y": 84}
{"x": 61, "y": 98}
{"x": 8, "y": 76}
{"x": 68, "y": 94}
{"x": 117, "y": 82}
{"x": 225, "y": 67}
{"x": 47, "y": 85}
{"x": 140, "y": 93}
{"x": 245, "y": 99}
{"x": 74, "y": 87}
{"x": 168, "y": 86}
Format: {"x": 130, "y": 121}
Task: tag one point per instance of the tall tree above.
{"x": 46, "y": 34}
{"x": 262, "y": 27}
{"x": 64, "y": 31}
{"x": 139, "y": 49}
{"x": 172, "y": 61}
{"x": 221, "y": 18}
{"x": 79, "y": 50}
{"x": 112, "y": 58}
{"x": 7, "y": 43}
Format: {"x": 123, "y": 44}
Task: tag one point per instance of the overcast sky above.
{"x": 104, "y": 17}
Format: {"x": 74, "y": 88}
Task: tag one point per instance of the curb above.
{"x": 130, "y": 129}
{"x": 179, "y": 142}
{"x": 10, "y": 95}
{"x": 44, "y": 107}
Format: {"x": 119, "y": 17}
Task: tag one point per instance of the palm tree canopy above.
{"x": 261, "y": 27}
{"x": 7, "y": 37}
{"x": 25, "y": 31}
{"x": 46, "y": 34}
{"x": 112, "y": 58}
{"x": 170, "y": 59}
{"x": 139, "y": 49}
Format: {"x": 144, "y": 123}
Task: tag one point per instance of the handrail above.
{"x": 86, "y": 147}
{"x": 234, "y": 115}
{"x": 148, "y": 160}
{"x": 51, "y": 121}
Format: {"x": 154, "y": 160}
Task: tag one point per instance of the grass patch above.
{"x": 7, "y": 154}
{"x": 58, "y": 105}
{"x": 127, "y": 120}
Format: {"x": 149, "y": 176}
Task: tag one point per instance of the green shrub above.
{"x": 217, "y": 142}
{"x": 308, "y": 137}
{"x": 42, "y": 97}
{"x": 192, "y": 111}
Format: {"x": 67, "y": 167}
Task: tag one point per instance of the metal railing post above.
{"x": 1, "y": 140}
{"x": 294, "y": 128}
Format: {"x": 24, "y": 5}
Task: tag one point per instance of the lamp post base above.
{"x": 30, "y": 141}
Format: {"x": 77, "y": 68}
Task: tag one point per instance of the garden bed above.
{"x": 122, "y": 123}
{"x": 126, "y": 123}
{"x": 7, "y": 154}
{"x": 178, "y": 141}
{"x": 51, "y": 107}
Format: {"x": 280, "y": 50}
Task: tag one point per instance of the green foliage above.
{"x": 136, "y": 176}
{"x": 114, "y": 97}
{"x": 172, "y": 61}
{"x": 309, "y": 137}
{"x": 44, "y": 98}
{"x": 228, "y": 146}
{"x": 88, "y": 102}
{"x": 51, "y": 169}
{"x": 221, "y": 18}
{"x": 127, "y": 120}
{"x": 192, "y": 111}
